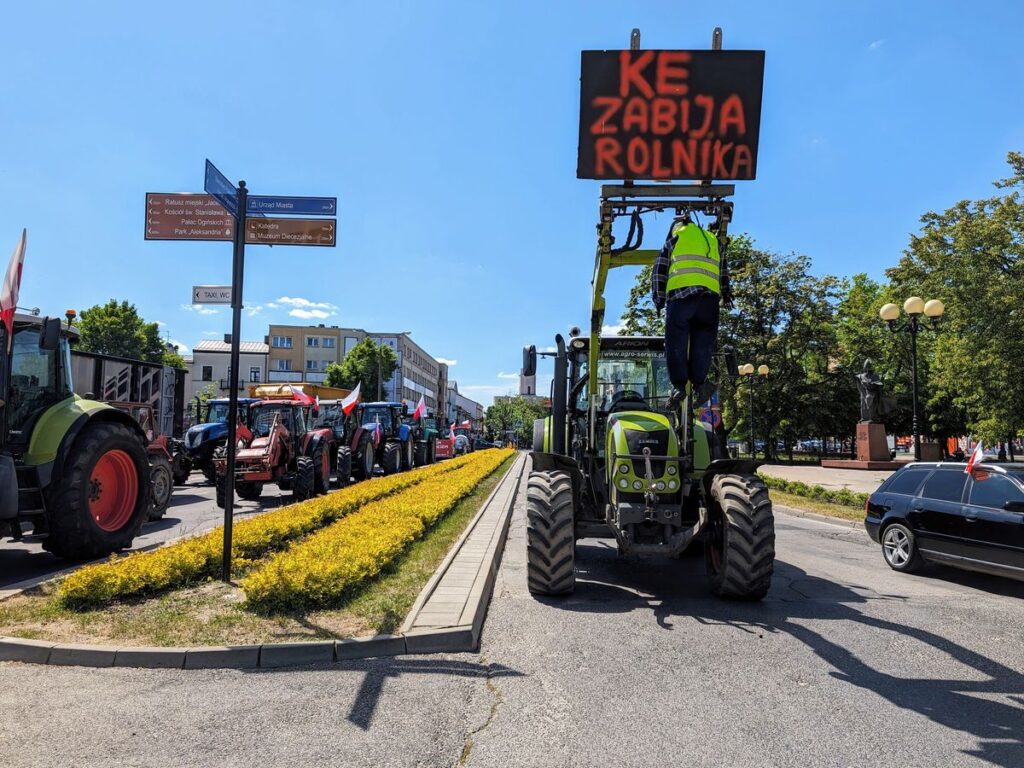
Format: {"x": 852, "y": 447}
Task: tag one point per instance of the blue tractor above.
{"x": 203, "y": 439}
{"x": 382, "y": 438}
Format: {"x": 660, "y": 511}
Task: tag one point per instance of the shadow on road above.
{"x": 606, "y": 583}
{"x": 376, "y": 671}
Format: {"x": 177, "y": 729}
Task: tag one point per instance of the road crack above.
{"x": 497, "y": 700}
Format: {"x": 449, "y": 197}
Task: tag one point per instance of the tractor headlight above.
{"x": 623, "y": 483}
{"x": 672, "y": 469}
{"x": 623, "y": 468}
{"x": 637, "y": 485}
{"x": 660, "y": 486}
{"x": 671, "y": 485}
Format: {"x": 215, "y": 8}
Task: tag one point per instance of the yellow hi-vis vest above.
{"x": 695, "y": 260}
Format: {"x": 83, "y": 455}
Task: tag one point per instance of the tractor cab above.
{"x": 332, "y": 416}
{"x": 289, "y": 415}
{"x": 388, "y": 417}
{"x": 37, "y": 375}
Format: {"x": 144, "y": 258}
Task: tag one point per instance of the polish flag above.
{"x": 451, "y": 431}
{"x": 301, "y": 396}
{"x": 12, "y": 284}
{"x": 421, "y": 409}
{"x": 977, "y": 456}
{"x": 465, "y": 424}
{"x": 352, "y": 400}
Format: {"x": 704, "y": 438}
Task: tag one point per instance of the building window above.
{"x": 255, "y": 374}
{"x": 207, "y": 373}
{"x": 350, "y": 341}
{"x": 284, "y": 365}
{"x": 312, "y": 341}
{"x": 282, "y": 342}
{"x": 329, "y": 342}
{"x": 312, "y": 365}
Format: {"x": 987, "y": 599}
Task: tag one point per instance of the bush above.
{"x": 843, "y": 496}
{"x": 321, "y": 570}
{"x": 196, "y": 559}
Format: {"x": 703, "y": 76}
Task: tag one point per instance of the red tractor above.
{"x": 279, "y": 449}
{"x": 167, "y": 467}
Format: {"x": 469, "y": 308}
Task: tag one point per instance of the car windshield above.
{"x": 629, "y": 370}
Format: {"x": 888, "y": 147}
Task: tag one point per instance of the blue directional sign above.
{"x": 292, "y": 206}
{"x": 223, "y": 190}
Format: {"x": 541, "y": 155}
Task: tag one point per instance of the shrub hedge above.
{"x": 842, "y": 496}
{"x": 196, "y": 559}
{"x": 321, "y": 570}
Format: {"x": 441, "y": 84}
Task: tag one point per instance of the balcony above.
{"x": 226, "y": 384}
{"x": 288, "y": 377}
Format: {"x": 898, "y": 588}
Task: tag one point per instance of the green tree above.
{"x": 516, "y": 414}
{"x": 366, "y": 362}
{"x": 116, "y": 328}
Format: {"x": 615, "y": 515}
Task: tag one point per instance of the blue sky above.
{"x": 448, "y": 132}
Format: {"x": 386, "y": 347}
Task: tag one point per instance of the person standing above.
{"x": 690, "y": 279}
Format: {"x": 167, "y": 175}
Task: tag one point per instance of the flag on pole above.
{"x": 12, "y": 284}
{"x": 451, "y": 431}
{"x": 421, "y": 409}
{"x": 301, "y": 396}
{"x": 352, "y": 400}
{"x": 465, "y": 424}
{"x": 977, "y": 456}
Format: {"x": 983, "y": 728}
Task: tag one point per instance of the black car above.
{"x": 936, "y": 512}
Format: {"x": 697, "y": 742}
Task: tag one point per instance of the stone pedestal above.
{"x": 871, "y": 442}
{"x": 931, "y": 451}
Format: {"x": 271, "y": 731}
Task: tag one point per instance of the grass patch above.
{"x": 813, "y": 505}
{"x": 213, "y": 613}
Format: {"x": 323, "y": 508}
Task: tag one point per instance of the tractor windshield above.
{"x": 380, "y": 416}
{"x": 217, "y": 413}
{"x": 331, "y": 415}
{"x": 643, "y": 372}
{"x": 37, "y": 379}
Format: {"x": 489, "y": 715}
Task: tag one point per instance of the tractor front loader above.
{"x": 614, "y": 460}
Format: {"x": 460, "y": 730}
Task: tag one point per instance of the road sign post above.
{"x": 237, "y": 273}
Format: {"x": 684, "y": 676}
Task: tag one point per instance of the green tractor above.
{"x": 614, "y": 460}
{"x": 76, "y": 469}
{"x": 425, "y": 431}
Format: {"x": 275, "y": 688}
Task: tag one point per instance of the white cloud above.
{"x": 254, "y": 310}
{"x": 446, "y": 361}
{"x": 160, "y": 324}
{"x": 310, "y": 314}
{"x": 508, "y": 375}
{"x": 272, "y": 305}
{"x": 199, "y": 309}
{"x": 874, "y": 46}
{"x": 303, "y": 303}
{"x": 611, "y": 330}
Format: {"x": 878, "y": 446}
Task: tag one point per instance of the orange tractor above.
{"x": 279, "y": 449}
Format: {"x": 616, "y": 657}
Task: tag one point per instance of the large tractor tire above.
{"x": 181, "y": 468}
{"x": 432, "y": 452}
{"x": 305, "y": 478}
{"x": 408, "y": 455}
{"x": 392, "y": 461}
{"x": 550, "y": 539}
{"x": 344, "y": 466}
{"x": 739, "y": 544}
{"x": 220, "y": 490}
{"x": 209, "y": 471}
{"x": 365, "y": 459}
{"x": 102, "y": 497}
{"x": 161, "y": 486}
{"x": 321, "y": 469}
{"x": 249, "y": 490}
{"x": 419, "y": 454}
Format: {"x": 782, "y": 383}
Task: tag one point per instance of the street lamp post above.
{"x": 748, "y": 370}
{"x": 914, "y": 307}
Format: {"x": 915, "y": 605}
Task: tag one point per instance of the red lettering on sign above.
{"x": 705, "y": 152}
{"x": 670, "y": 76}
{"x": 742, "y": 158}
{"x": 732, "y": 116}
{"x": 638, "y": 156}
{"x": 631, "y": 72}
{"x": 718, "y": 169}
{"x": 659, "y": 171}
{"x": 606, "y": 156}
{"x": 706, "y": 103}
{"x": 634, "y": 116}
{"x": 684, "y": 158}
{"x": 663, "y": 116}
{"x": 603, "y": 124}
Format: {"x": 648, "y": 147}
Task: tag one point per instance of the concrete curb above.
{"x": 797, "y": 512}
{"x": 464, "y": 637}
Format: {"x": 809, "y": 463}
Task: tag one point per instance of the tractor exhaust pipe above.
{"x": 559, "y": 397}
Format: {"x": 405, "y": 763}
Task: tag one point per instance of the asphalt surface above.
{"x": 192, "y": 510}
{"x": 844, "y": 664}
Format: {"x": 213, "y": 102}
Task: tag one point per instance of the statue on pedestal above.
{"x": 873, "y": 408}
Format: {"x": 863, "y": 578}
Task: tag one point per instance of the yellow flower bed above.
{"x": 320, "y": 570}
{"x": 195, "y": 559}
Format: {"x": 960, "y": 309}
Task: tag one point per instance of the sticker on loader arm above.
{"x": 670, "y": 115}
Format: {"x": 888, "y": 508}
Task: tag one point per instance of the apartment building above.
{"x": 302, "y": 353}
{"x": 211, "y": 364}
{"x": 462, "y": 408}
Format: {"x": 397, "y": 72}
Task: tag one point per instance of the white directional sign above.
{"x": 211, "y": 294}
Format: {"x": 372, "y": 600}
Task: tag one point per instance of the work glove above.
{"x": 727, "y": 299}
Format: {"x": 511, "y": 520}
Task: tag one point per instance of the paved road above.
{"x": 192, "y": 511}
{"x": 845, "y": 664}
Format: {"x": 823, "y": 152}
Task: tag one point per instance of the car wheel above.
{"x": 900, "y": 549}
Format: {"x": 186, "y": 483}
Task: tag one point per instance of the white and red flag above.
{"x": 465, "y": 424}
{"x": 421, "y": 409}
{"x": 301, "y": 396}
{"x": 451, "y": 431}
{"x": 977, "y": 456}
{"x": 352, "y": 400}
{"x": 12, "y": 284}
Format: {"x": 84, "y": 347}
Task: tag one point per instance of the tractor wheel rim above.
{"x": 113, "y": 490}
{"x": 161, "y": 487}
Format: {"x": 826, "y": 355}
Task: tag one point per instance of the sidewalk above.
{"x": 857, "y": 480}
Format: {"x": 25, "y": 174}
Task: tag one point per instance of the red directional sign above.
{"x": 274, "y": 231}
{"x": 175, "y": 216}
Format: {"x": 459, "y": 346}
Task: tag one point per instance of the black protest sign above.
{"x": 670, "y": 114}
